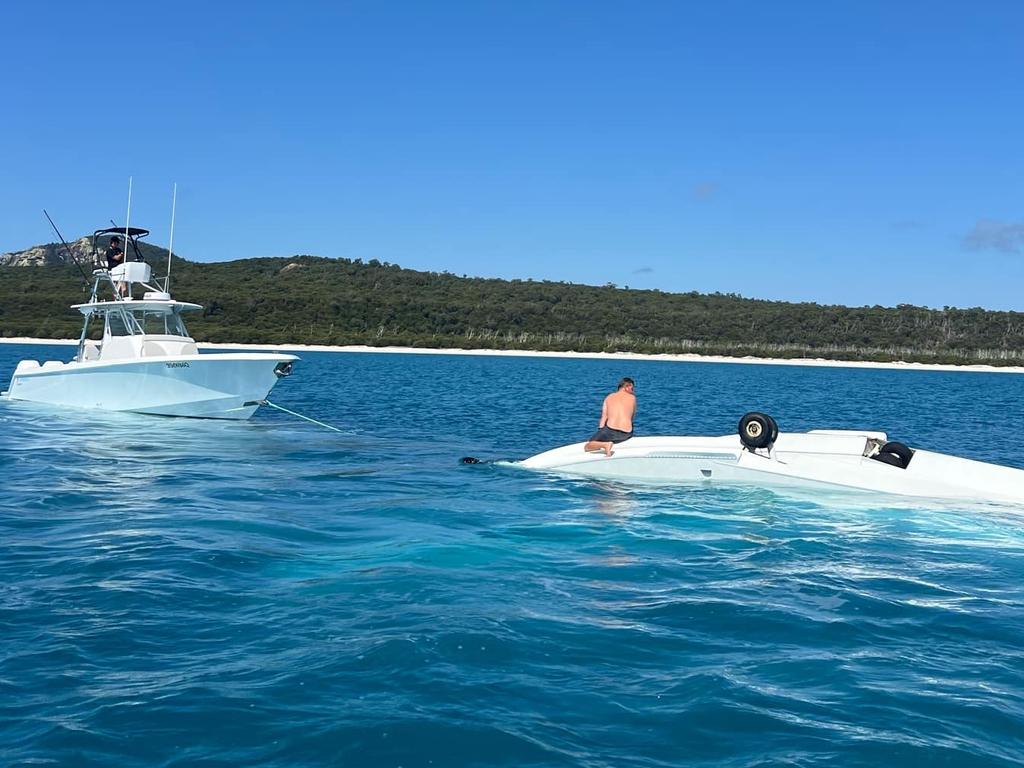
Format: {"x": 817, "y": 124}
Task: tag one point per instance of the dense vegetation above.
{"x": 309, "y": 300}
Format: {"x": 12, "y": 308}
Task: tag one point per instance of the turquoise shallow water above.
{"x": 179, "y": 592}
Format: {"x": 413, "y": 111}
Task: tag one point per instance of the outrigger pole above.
{"x": 67, "y": 247}
{"x": 127, "y": 221}
{"x": 170, "y": 245}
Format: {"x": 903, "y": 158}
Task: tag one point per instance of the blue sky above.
{"x": 839, "y": 152}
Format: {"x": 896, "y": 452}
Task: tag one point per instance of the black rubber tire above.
{"x": 899, "y": 449}
{"x": 895, "y": 454}
{"x": 775, "y": 430}
{"x": 889, "y": 458}
{"x": 756, "y": 430}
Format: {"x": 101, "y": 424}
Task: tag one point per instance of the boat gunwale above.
{"x": 280, "y": 357}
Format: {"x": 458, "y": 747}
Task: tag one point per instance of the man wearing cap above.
{"x": 115, "y": 256}
{"x": 115, "y": 253}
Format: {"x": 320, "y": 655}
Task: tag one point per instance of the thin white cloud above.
{"x": 908, "y": 224}
{"x": 705, "y": 190}
{"x": 994, "y": 235}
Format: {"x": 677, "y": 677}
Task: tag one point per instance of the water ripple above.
{"x": 175, "y": 593}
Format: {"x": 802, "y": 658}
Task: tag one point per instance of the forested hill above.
{"x": 310, "y": 300}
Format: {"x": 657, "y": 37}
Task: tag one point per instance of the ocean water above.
{"x": 271, "y": 593}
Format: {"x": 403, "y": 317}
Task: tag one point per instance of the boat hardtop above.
{"x": 151, "y": 301}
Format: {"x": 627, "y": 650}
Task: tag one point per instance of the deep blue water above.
{"x": 270, "y": 593}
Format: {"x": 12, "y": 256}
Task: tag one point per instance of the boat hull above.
{"x": 214, "y": 386}
{"x": 825, "y": 460}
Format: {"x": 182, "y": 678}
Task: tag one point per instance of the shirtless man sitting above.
{"x": 616, "y": 423}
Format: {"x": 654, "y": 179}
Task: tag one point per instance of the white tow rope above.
{"x": 299, "y": 415}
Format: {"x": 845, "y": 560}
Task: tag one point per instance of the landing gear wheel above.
{"x": 895, "y": 454}
{"x": 889, "y": 458}
{"x": 757, "y": 430}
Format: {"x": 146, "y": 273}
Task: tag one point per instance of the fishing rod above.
{"x": 85, "y": 278}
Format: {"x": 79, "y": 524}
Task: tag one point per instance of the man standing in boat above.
{"x": 115, "y": 256}
{"x": 616, "y": 424}
{"x": 115, "y": 253}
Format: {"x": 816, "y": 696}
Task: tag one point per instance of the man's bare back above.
{"x": 616, "y": 424}
{"x": 619, "y": 408}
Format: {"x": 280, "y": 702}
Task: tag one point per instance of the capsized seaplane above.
{"x": 144, "y": 361}
{"x": 759, "y": 455}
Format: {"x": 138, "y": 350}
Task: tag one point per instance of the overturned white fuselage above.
{"x": 826, "y": 459}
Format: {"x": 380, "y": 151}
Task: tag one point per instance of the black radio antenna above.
{"x": 67, "y": 247}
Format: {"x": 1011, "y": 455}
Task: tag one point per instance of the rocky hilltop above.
{"x": 55, "y": 254}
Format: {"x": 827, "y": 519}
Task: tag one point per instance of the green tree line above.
{"x": 313, "y": 300}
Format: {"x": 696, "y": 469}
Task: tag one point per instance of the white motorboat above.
{"x": 759, "y": 455}
{"x": 145, "y": 361}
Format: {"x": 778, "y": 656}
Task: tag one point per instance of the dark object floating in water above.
{"x": 470, "y": 460}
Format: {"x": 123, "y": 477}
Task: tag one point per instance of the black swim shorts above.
{"x": 609, "y": 435}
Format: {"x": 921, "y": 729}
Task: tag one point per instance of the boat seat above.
{"x": 91, "y": 351}
{"x": 153, "y": 349}
{"x": 170, "y": 346}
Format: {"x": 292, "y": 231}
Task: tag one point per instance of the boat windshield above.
{"x": 160, "y": 323}
{"x": 155, "y": 323}
{"x": 116, "y": 324}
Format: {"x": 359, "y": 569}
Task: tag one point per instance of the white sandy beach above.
{"x": 668, "y": 358}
